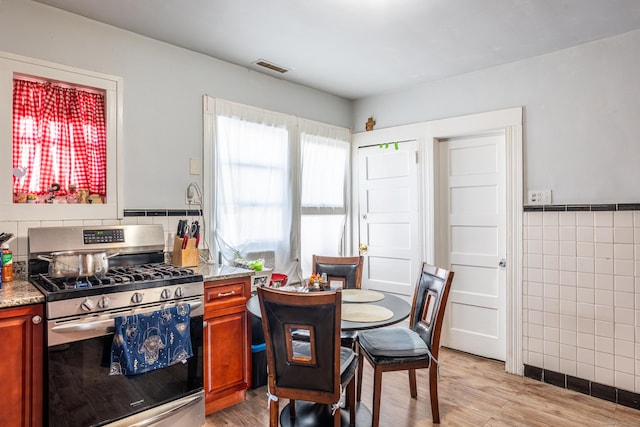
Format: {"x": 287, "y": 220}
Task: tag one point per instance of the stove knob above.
{"x": 136, "y": 298}
{"x": 179, "y": 292}
{"x": 88, "y": 305}
{"x": 104, "y": 302}
{"x": 165, "y": 294}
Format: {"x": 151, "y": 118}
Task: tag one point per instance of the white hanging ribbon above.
{"x": 271, "y": 397}
{"x": 341, "y": 403}
{"x": 435, "y": 360}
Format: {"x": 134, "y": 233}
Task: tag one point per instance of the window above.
{"x": 59, "y": 137}
{"x": 325, "y": 175}
{"x": 280, "y": 186}
{"x": 81, "y": 152}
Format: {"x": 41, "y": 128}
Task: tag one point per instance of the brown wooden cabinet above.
{"x": 21, "y": 350}
{"x": 227, "y": 342}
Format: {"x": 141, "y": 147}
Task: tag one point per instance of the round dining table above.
{"x": 398, "y": 306}
{"x": 310, "y": 414}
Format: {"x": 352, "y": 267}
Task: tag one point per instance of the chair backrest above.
{"x": 306, "y": 369}
{"x": 429, "y": 302}
{"x": 347, "y": 270}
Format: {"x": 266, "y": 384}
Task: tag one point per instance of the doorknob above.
{"x": 362, "y": 248}
{"x": 502, "y": 263}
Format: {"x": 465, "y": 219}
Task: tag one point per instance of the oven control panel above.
{"x": 123, "y": 303}
{"x": 112, "y": 235}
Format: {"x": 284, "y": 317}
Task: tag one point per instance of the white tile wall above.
{"x": 582, "y": 295}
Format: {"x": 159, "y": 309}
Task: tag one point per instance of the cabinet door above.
{"x": 227, "y": 342}
{"x": 21, "y": 348}
{"x": 227, "y": 360}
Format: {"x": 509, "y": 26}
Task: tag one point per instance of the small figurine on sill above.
{"x": 55, "y": 187}
{"x": 72, "y": 195}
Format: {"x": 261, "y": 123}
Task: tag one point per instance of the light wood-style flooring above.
{"x": 473, "y": 392}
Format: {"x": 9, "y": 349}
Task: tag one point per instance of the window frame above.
{"x": 12, "y": 65}
{"x": 297, "y": 128}
{"x": 328, "y": 210}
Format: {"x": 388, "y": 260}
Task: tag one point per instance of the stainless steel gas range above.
{"x": 81, "y": 314}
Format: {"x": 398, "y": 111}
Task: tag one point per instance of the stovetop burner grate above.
{"x": 116, "y": 276}
{"x": 55, "y": 285}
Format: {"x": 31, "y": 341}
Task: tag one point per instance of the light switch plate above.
{"x": 194, "y": 166}
{"x": 539, "y": 197}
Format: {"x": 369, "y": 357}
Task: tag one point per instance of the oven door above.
{"x": 82, "y": 393}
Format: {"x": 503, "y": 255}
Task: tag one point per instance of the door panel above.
{"x": 473, "y": 213}
{"x": 388, "y": 216}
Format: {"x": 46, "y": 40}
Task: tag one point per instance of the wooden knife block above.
{"x": 188, "y": 257}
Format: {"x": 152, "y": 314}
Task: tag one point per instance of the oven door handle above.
{"x": 88, "y": 326}
{"x": 169, "y": 412}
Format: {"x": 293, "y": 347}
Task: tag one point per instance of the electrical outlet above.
{"x": 539, "y": 197}
{"x": 193, "y": 197}
{"x": 193, "y": 201}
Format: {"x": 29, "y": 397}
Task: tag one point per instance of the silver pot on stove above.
{"x": 77, "y": 263}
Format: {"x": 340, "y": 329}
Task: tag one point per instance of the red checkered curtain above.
{"x": 59, "y": 135}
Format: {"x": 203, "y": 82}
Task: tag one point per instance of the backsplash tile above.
{"x": 582, "y": 288}
{"x": 621, "y": 396}
{"x": 603, "y": 391}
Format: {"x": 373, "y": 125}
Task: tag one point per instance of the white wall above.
{"x": 163, "y": 88}
{"x": 582, "y": 116}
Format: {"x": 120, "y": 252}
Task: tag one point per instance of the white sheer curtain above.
{"x": 254, "y": 213}
{"x": 325, "y": 154}
{"x": 281, "y": 187}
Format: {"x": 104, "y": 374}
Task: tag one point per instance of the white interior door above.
{"x": 473, "y": 225}
{"x": 389, "y": 216}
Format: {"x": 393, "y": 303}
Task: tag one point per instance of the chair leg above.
{"x": 412, "y": 383}
{"x": 337, "y": 418}
{"x": 359, "y": 374}
{"x": 433, "y": 392}
{"x": 377, "y": 391}
{"x": 274, "y": 410}
{"x": 351, "y": 398}
{"x": 292, "y": 410}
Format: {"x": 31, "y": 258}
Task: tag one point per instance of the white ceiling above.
{"x": 358, "y": 48}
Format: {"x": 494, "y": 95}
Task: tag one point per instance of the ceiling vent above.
{"x": 273, "y": 67}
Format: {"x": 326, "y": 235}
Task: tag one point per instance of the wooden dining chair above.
{"x": 416, "y": 347}
{"x": 347, "y": 271}
{"x": 317, "y": 369}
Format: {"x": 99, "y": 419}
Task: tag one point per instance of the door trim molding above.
{"x": 428, "y": 134}
{"x": 510, "y": 121}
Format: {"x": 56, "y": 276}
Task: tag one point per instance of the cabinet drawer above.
{"x": 226, "y": 293}
{"x": 216, "y": 293}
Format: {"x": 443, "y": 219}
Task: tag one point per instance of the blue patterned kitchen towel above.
{"x": 145, "y": 342}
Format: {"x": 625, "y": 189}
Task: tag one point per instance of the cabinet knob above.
{"x": 36, "y": 319}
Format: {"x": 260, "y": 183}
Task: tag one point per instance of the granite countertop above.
{"x": 19, "y": 292}
{"x": 212, "y": 272}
